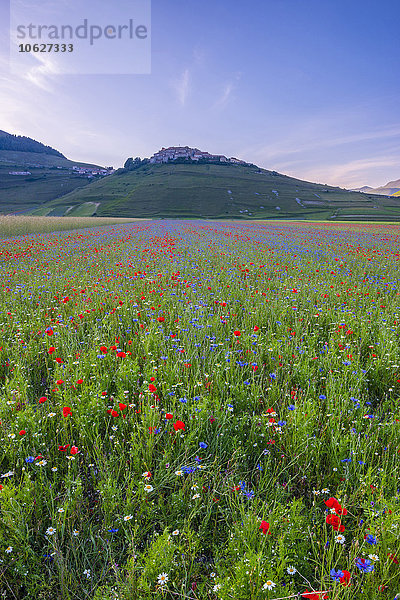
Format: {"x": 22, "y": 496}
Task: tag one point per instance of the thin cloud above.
{"x": 227, "y": 91}
{"x": 224, "y": 98}
{"x": 41, "y": 75}
{"x": 353, "y": 173}
{"x": 182, "y": 87}
{"x": 294, "y": 146}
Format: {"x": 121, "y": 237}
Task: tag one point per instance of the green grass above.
{"x": 219, "y": 191}
{"x": 275, "y": 345}
{"x": 51, "y": 176}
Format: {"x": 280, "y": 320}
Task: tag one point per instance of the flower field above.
{"x": 200, "y": 410}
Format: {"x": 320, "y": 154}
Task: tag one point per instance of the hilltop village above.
{"x": 186, "y": 153}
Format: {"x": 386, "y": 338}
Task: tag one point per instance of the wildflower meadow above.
{"x": 202, "y": 410}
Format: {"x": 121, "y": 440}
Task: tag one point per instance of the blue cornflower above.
{"x": 370, "y": 539}
{"x": 29, "y": 459}
{"x": 364, "y": 564}
{"x": 272, "y": 376}
{"x": 113, "y": 530}
{"x": 183, "y": 400}
{"x": 291, "y": 407}
{"x": 203, "y": 445}
{"x": 336, "y": 575}
{"x": 322, "y": 397}
{"x": 281, "y": 423}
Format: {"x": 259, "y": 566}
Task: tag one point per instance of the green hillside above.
{"x": 50, "y": 176}
{"x": 217, "y": 191}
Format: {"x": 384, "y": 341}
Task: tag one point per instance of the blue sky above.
{"x": 305, "y": 87}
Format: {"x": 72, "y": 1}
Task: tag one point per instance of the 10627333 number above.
{"x": 45, "y": 48}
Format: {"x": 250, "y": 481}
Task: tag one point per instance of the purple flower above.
{"x": 336, "y": 575}
{"x": 364, "y": 564}
{"x": 370, "y": 539}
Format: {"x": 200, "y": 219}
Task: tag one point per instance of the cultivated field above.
{"x": 202, "y": 411}
{"x": 11, "y": 226}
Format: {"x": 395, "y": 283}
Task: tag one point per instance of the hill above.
{"x": 392, "y": 187}
{"x": 189, "y": 190}
{"x": 20, "y": 143}
{"x": 32, "y": 174}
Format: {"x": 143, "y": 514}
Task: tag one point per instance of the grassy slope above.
{"x": 46, "y": 182}
{"x": 217, "y": 191}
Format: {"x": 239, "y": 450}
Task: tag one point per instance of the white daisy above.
{"x": 50, "y": 531}
{"x": 340, "y": 539}
{"x": 268, "y": 585}
{"x": 148, "y": 488}
{"x": 373, "y": 557}
{"x": 162, "y": 578}
{"x": 128, "y": 517}
{"x": 291, "y": 570}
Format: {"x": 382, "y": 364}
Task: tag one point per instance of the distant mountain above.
{"x": 20, "y": 143}
{"x": 391, "y": 188}
{"x": 364, "y": 189}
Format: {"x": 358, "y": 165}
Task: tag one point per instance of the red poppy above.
{"x": 121, "y": 354}
{"x": 256, "y": 328}
{"x": 346, "y": 577}
{"x": 42, "y": 399}
{"x": 168, "y": 416}
{"x": 59, "y": 382}
{"x": 179, "y": 425}
{"x": 265, "y": 528}
{"x": 66, "y": 411}
{"x": 79, "y": 382}
{"x": 122, "y": 406}
{"x": 1, "y": 487}
{"x": 49, "y": 331}
{"x": 51, "y": 350}
{"x": 236, "y": 333}
{"x": 74, "y": 450}
{"x": 59, "y": 360}
{"x": 104, "y": 349}
{"x": 22, "y": 432}
{"x": 333, "y": 503}
{"x": 161, "y": 319}
{"x": 63, "y": 448}
{"x": 152, "y": 388}
{"x": 314, "y": 595}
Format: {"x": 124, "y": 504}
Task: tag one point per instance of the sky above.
{"x": 308, "y": 88}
